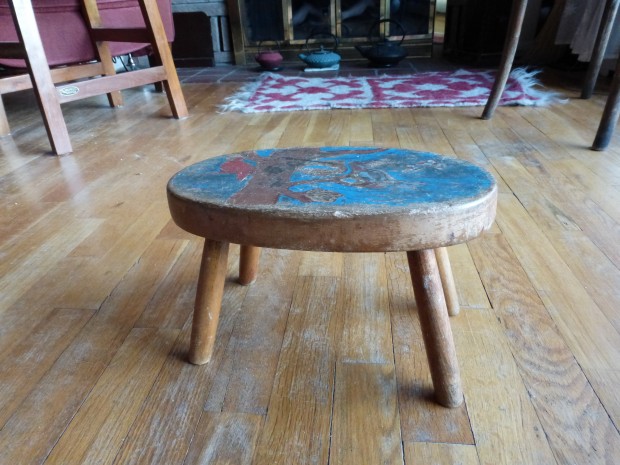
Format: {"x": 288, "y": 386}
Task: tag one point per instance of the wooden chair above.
{"x": 101, "y": 74}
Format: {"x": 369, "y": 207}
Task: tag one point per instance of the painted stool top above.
{"x": 334, "y": 199}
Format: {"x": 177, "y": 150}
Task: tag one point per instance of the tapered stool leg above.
{"x": 208, "y": 301}
{"x": 248, "y": 264}
{"x": 436, "y": 329}
{"x": 447, "y": 281}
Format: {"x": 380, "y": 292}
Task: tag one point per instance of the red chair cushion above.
{"x": 64, "y": 33}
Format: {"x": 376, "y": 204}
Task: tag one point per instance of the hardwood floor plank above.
{"x": 22, "y": 367}
{"x": 366, "y": 424}
{"x": 470, "y": 289}
{"x": 23, "y": 267}
{"x": 598, "y": 275}
{"x": 605, "y": 384}
{"x": 596, "y": 344}
{"x": 297, "y": 427}
{"x": 224, "y": 439}
{"x": 440, "y": 454}
{"x": 321, "y": 264}
{"x": 571, "y": 415}
{"x": 339, "y": 129}
{"x": 34, "y": 428}
{"x": 98, "y": 429}
{"x": 366, "y": 328}
{"x": 255, "y": 344}
{"x": 104, "y": 273}
{"x": 318, "y": 128}
{"x": 163, "y": 430}
{"x": 361, "y": 129}
{"x": 504, "y": 422}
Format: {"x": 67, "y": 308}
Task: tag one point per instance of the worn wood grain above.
{"x": 256, "y": 341}
{"x": 575, "y": 423}
{"x": 502, "y": 419}
{"x": 365, "y": 420}
{"x": 100, "y": 425}
{"x": 440, "y": 453}
{"x": 22, "y": 367}
{"x": 366, "y": 328}
{"x": 596, "y": 344}
{"x": 298, "y": 422}
{"x": 165, "y": 425}
{"x": 224, "y": 439}
{"x": 36, "y": 425}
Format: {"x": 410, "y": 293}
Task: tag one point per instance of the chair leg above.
{"x": 42, "y": 84}
{"x": 5, "y": 130}
{"x": 602, "y": 38}
{"x": 93, "y": 20}
{"x": 517, "y": 15}
{"x": 610, "y": 116}
{"x": 162, "y": 53}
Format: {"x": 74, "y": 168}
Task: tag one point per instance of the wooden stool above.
{"x": 336, "y": 199}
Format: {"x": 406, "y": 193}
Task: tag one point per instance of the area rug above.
{"x": 273, "y": 92}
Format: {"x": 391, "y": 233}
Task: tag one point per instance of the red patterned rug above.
{"x": 273, "y": 92}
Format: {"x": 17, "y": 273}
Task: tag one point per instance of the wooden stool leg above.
{"x": 436, "y": 329}
{"x": 447, "y": 281}
{"x": 610, "y": 116}
{"x": 42, "y": 83}
{"x": 208, "y": 301}
{"x": 517, "y": 14}
{"x": 248, "y": 264}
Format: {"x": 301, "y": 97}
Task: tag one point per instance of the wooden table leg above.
{"x": 208, "y": 300}
{"x": 248, "y": 264}
{"x": 436, "y": 329}
{"x": 447, "y": 281}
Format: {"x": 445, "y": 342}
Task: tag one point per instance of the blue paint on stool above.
{"x": 349, "y": 177}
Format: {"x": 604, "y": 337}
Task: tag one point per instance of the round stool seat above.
{"x": 345, "y": 199}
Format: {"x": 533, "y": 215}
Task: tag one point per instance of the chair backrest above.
{"x": 64, "y": 33}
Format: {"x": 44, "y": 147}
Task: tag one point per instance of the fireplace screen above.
{"x": 293, "y": 22}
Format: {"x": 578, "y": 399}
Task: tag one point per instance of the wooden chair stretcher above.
{"x": 53, "y": 87}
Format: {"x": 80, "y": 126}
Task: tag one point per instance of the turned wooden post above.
{"x": 447, "y": 280}
{"x": 611, "y": 113}
{"x": 436, "y": 329}
{"x": 208, "y": 300}
{"x": 248, "y": 264}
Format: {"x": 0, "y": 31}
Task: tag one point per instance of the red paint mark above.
{"x": 239, "y": 167}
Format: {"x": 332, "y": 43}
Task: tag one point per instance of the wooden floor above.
{"x": 321, "y": 360}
